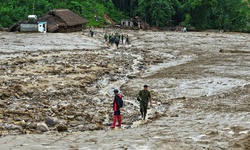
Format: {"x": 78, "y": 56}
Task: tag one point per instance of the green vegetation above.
{"x": 231, "y": 15}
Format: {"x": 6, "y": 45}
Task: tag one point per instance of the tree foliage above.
{"x": 232, "y": 15}
{"x": 198, "y": 12}
{"x": 155, "y": 12}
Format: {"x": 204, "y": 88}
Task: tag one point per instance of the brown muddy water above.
{"x": 56, "y": 91}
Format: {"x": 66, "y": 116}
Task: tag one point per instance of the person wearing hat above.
{"x": 144, "y": 97}
{"x": 117, "y": 104}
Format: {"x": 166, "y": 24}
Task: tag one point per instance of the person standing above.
{"x": 126, "y": 40}
{"x": 117, "y": 40}
{"x": 144, "y": 97}
{"x": 91, "y": 32}
{"x": 112, "y": 39}
{"x": 122, "y": 38}
{"x": 109, "y": 38}
{"x": 117, "y": 105}
{"x": 105, "y": 37}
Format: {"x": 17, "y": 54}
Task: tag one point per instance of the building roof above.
{"x": 56, "y": 19}
{"x": 68, "y": 17}
{"x": 61, "y": 18}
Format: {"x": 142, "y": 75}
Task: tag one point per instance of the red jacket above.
{"x": 117, "y": 104}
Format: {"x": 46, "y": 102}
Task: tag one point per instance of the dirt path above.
{"x": 199, "y": 82}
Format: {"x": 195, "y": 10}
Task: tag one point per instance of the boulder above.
{"x": 42, "y": 127}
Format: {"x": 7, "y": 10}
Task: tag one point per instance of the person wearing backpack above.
{"x": 144, "y": 97}
{"x": 117, "y": 105}
{"x": 117, "y": 40}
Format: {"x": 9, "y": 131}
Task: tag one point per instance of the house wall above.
{"x": 127, "y": 23}
{"x": 27, "y": 27}
{"x": 42, "y": 27}
{"x": 70, "y": 28}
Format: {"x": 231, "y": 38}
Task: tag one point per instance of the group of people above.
{"x": 144, "y": 97}
{"x": 113, "y": 38}
{"x": 116, "y": 39}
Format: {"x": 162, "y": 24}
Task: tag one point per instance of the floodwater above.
{"x": 199, "y": 83}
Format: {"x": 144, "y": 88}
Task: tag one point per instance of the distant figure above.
{"x": 105, "y": 37}
{"x": 91, "y": 32}
{"x": 122, "y": 38}
{"x": 96, "y": 19}
{"x": 126, "y": 40}
{"x": 112, "y": 40}
{"x": 117, "y": 40}
{"x": 184, "y": 29}
{"x": 109, "y": 38}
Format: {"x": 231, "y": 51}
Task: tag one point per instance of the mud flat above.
{"x": 56, "y": 90}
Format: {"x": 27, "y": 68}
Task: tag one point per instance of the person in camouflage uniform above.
{"x": 105, "y": 37}
{"x": 144, "y": 97}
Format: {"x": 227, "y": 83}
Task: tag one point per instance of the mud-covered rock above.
{"x": 51, "y": 121}
{"x": 42, "y": 127}
{"x": 62, "y": 127}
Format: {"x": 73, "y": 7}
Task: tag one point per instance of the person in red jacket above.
{"x": 117, "y": 105}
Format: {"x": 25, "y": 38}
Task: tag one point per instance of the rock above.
{"x": 102, "y": 110}
{"x": 96, "y": 99}
{"x": 74, "y": 123}
{"x": 91, "y": 127}
{"x": 132, "y": 76}
{"x": 112, "y": 72}
{"x": 31, "y": 126}
{"x": 62, "y": 128}
{"x": 17, "y": 119}
{"x": 6, "y": 94}
{"x": 79, "y": 118}
{"x": 98, "y": 126}
{"x": 17, "y": 96}
{"x": 70, "y": 117}
{"x": 174, "y": 115}
{"x": 113, "y": 78}
{"x": 42, "y": 127}
{"x": 50, "y": 121}
{"x": 22, "y": 123}
{"x": 13, "y": 127}
{"x": 98, "y": 119}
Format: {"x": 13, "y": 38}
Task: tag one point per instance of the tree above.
{"x": 230, "y": 15}
{"x": 178, "y": 9}
{"x": 156, "y": 12}
{"x": 161, "y": 12}
{"x": 198, "y": 12}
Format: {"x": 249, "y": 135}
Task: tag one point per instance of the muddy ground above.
{"x": 56, "y": 90}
